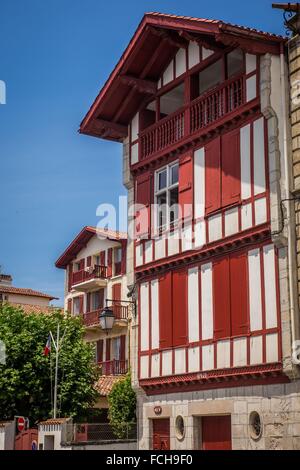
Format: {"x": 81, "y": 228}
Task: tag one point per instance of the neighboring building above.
{"x": 95, "y": 265}
{"x": 201, "y": 109}
{"x": 31, "y": 301}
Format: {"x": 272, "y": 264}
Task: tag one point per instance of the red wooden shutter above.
{"x": 165, "y": 311}
{"x": 143, "y": 197}
{"x": 69, "y": 306}
{"x": 100, "y": 350}
{"x": 109, "y": 262}
{"x": 231, "y": 168}
{"x": 89, "y": 261}
{"x": 122, "y": 348}
{"x": 221, "y": 296}
{"x": 82, "y": 262}
{"x": 102, "y": 258}
{"x": 186, "y": 186}
{"x": 212, "y": 176}
{"x": 70, "y": 276}
{"x": 239, "y": 294}
{"x": 101, "y": 298}
{"x": 123, "y": 262}
{"x": 116, "y": 291}
{"x": 107, "y": 353}
{"x": 81, "y": 304}
{"x": 180, "y": 307}
{"x": 88, "y": 302}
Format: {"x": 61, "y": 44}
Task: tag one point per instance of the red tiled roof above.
{"x": 27, "y": 308}
{"x": 105, "y": 384}
{"x": 222, "y": 24}
{"x": 81, "y": 240}
{"x": 137, "y": 55}
{"x": 54, "y": 422}
{"x": 24, "y": 291}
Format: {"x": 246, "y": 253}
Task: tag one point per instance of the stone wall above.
{"x": 294, "y": 70}
{"x": 277, "y": 405}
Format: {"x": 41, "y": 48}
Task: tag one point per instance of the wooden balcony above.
{"x": 87, "y": 278}
{"x": 114, "y": 367}
{"x": 91, "y": 319}
{"x": 209, "y": 108}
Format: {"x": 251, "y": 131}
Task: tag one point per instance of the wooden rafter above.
{"x": 203, "y": 42}
{"x": 102, "y": 126}
{"x": 173, "y": 39}
{"x": 142, "y": 85}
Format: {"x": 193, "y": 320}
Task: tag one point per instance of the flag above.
{"x": 48, "y": 346}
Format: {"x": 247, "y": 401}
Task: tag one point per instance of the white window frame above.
{"x": 76, "y": 300}
{"x": 167, "y": 190}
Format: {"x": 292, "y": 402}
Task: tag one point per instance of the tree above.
{"x": 25, "y": 379}
{"x": 122, "y": 407}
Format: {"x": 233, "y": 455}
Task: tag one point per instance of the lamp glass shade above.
{"x": 106, "y": 319}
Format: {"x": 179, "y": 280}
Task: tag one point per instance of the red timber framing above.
{"x": 222, "y": 193}
{"x": 230, "y": 281}
{"x": 155, "y": 42}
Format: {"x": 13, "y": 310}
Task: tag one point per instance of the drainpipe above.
{"x": 288, "y": 195}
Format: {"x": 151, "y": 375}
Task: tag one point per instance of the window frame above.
{"x": 166, "y": 190}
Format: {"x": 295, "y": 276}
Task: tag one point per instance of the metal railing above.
{"x": 114, "y": 367}
{"x": 96, "y": 272}
{"x": 200, "y": 113}
{"x": 120, "y": 313}
{"x": 101, "y": 432}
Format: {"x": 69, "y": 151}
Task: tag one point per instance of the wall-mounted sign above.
{"x": 158, "y": 410}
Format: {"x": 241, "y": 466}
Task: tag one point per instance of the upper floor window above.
{"x": 76, "y": 306}
{"x": 117, "y": 261}
{"x": 97, "y": 261}
{"x": 166, "y": 196}
{"x": 171, "y": 101}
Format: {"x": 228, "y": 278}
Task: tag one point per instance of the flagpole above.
{"x": 56, "y": 372}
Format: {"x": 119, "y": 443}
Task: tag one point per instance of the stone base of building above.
{"x": 260, "y": 417}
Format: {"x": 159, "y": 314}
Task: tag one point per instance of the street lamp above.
{"x": 107, "y": 319}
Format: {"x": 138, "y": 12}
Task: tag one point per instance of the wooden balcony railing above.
{"x": 96, "y": 272}
{"x": 200, "y": 113}
{"x": 114, "y": 367}
{"x": 120, "y": 312}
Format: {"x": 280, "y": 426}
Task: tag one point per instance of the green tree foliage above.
{"x": 25, "y": 383}
{"x": 122, "y": 407}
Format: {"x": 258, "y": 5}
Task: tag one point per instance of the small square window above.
{"x": 174, "y": 174}
{"x": 162, "y": 179}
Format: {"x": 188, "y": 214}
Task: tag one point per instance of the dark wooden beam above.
{"x": 173, "y": 39}
{"x": 144, "y": 86}
{"x": 102, "y": 126}
{"x": 201, "y": 41}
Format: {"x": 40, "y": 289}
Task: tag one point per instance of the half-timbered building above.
{"x": 201, "y": 109}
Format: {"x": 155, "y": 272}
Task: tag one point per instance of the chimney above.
{"x": 5, "y": 280}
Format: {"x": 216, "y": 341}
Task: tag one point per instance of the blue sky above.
{"x": 54, "y": 57}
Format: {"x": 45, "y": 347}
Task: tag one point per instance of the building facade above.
{"x": 202, "y": 110}
{"x": 95, "y": 267}
{"x": 31, "y": 301}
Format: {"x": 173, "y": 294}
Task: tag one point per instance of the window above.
{"x": 116, "y": 347}
{"x": 77, "y": 266}
{"x": 97, "y": 260}
{"x": 171, "y": 101}
{"x": 235, "y": 62}
{"x": 166, "y": 196}
{"x": 76, "y": 306}
{"x": 118, "y": 261}
{"x": 211, "y": 77}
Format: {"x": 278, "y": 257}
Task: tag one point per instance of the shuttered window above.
{"x": 143, "y": 199}
{"x": 186, "y": 186}
{"x": 173, "y": 309}
{"x": 222, "y": 172}
{"x": 230, "y": 295}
